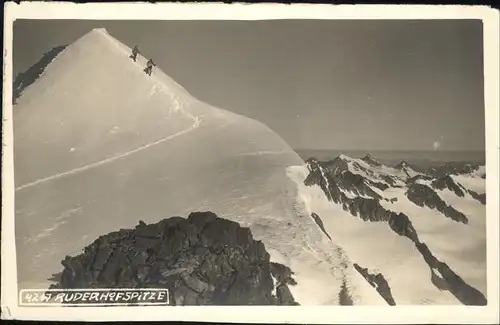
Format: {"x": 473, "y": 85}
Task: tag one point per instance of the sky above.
{"x": 320, "y": 84}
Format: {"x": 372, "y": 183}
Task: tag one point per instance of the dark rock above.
{"x": 380, "y": 186}
{"x": 356, "y": 184}
{"x": 448, "y": 182}
{"x": 335, "y": 166}
{"x": 401, "y": 224}
{"x": 402, "y": 164}
{"x": 368, "y": 209}
{"x": 320, "y": 224}
{"x": 202, "y": 260}
{"x": 452, "y": 168}
{"x": 413, "y": 179}
{"x": 369, "y": 160}
{"x": 377, "y": 281}
{"x": 447, "y": 279}
{"x": 423, "y": 195}
{"x": 479, "y": 197}
{"x": 282, "y": 274}
{"x": 28, "y": 77}
{"x": 391, "y": 180}
{"x": 285, "y": 296}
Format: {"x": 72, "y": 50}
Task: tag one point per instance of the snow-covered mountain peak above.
{"x": 344, "y": 157}
{"x": 370, "y": 160}
{"x": 397, "y": 216}
{"x": 107, "y": 141}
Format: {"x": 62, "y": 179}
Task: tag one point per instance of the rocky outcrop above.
{"x": 392, "y": 181}
{"x": 479, "y": 197}
{"x": 320, "y": 224}
{"x": 423, "y": 195}
{"x": 402, "y": 164}
{"x": 368, "y": 209}
{"x": 335, "y": 182}
{"x": 27, "y": 78}
{"x": 355, "y": 184}
{"x": 448, "y": 183}
{"x": 284, "y": 277}
{"x": 452, "y": 168}
{"x": 379, "y": 282}
{"x": 370, "y": 161}
{"x": 417, "y": 178}
{"x": 447, "y": 279}
{"x": 333, "y": 167}
{"x": 202, "y": 260}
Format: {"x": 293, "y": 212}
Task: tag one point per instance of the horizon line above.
{"x": 379, "y": 150}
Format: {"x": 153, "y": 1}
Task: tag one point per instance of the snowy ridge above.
{"x": 374, "y": 245}
{"x": 119, "y": 146}
{"x": 90, "y": 49}
{"x": 26, "y": 79}
{"x": 380, "y": 173}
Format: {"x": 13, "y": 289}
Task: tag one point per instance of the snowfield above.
{"x": 99, "y": 145}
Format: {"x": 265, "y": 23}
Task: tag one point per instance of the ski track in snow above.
{"x": 177, "y": 107}
{"x": 104, "y": 161}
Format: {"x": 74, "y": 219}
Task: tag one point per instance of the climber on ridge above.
{"x": 149, "y": 67}
{"x": 135, "y": 51}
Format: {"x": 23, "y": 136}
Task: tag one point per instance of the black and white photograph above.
{"x": 264, "y": 162}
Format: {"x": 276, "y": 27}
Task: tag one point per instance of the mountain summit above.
{"x": 100, "y": 145}
{"x": 93, "y": 103}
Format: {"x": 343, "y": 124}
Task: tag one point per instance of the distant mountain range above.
{"x": 422, "y": 158}
{"x": 367, "y": 189}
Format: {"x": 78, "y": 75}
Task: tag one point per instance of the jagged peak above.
{"x": 370, "y": 160}
{"x": 98, "y": 50}
{"x": 344, "y": 157}
{"x": 402, "y": 164}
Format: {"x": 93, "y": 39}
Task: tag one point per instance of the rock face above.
{"x": 369, "y": 159}
{"x": 480, "y": 197}
{"x": 368, "y": 209}
{"x": 202, "y": 260}
{"x": 447, "y": 279}
{"x": 448, "y": 183}
{"x": 377, "y": 281}
{"x": 424, "y": 195}
{"x": 320, "y": 224}
{"x": 416, "y": 178}
{"x": 27, "y": 78}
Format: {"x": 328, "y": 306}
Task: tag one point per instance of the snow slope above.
{"x": 99, "y": 146}
{"x": 375, "y": 246}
